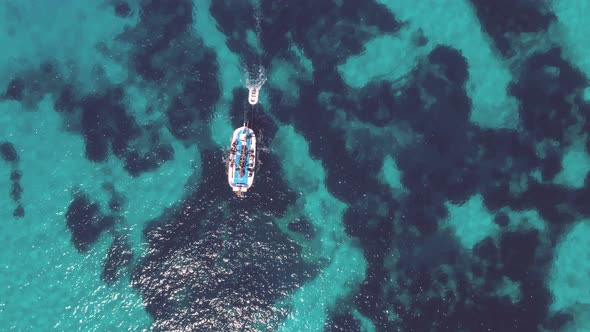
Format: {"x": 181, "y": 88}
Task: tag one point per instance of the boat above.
{"x": 253, "y": 95}
{"x": 242, "y": 160}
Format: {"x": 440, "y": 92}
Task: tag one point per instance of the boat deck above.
{"x": 242, "y": 159}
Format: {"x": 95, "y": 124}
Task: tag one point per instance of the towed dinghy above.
{"x": 242, "y": 159}
{"x": 253, "y": 95}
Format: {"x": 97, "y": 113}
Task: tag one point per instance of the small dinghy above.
{"x": 242, "y": 159}
{"x": 253, "y": 95}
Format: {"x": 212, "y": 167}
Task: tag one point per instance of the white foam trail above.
{"x": 254, "y": 79}
{"x": 254, "y": 83}
{"x": 257, "y": 16}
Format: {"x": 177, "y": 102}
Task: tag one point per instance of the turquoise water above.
{"x": 422, "y": 166}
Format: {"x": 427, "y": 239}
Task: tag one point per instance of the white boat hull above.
{"x": 253, "y": 95}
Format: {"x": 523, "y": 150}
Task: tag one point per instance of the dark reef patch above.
{"x": 326, "y": 31}
{"x": 371, "y": 220}
{"x": 16, "y": 191}
{"x": 161, "y": 22}
{"x": 106, "y": 126}
{"x": 137, "y": 164}
{"x": 313, "y": 26}
{"x": 549, "y": 200}
{"x": 15, "y": 175}
{"x": 451, "y": 64}
{"x": 203, "y": 90}
{"x": 86, "y": 222}
{"x": 582, "y": 197}
{"x": 311, "y": 118}
{"x": 8, "y": 152}
{"x": 501, "y": 219}
{"x": 194, "y": 107}
{"x": 66, "y": 101}
{"x": 104, "y": 120}
{"x": 450, "y": 162}
{"x": 95, "y": 139}
{"x": 19, "y": 211}
{"x": 205, "y": 262}
{"x": 518, "y": 253}
{"x": 505, "y": 157}
{"x": 122, "y": 8}
{"x": 381, "y": 104}
{"x": 455, "y": 301}
{"x": 502, "y": 18}
{"x": 440, "y": 166}
{"x": 15, "y": 89}
{"x": 235, "y": 18}
{"x": 10, "y": 156}
{"x": 180, "y": 119}
{"x": 545, "y": 89}
{"x": 551, "y": 167}
{"x": 486, "y": 250}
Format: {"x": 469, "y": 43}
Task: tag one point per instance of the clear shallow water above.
{"x": 413, "y": 176}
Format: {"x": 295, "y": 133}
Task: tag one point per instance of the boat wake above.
{"x": 254, "y": 81}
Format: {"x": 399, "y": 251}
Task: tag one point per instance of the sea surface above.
{"x": 423, "y": 165}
